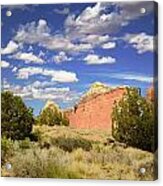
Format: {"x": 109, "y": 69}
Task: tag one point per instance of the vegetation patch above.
{"x": 134, "y": 121}
{"x": 69, "y": 144}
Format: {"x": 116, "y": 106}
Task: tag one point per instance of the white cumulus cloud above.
{"x": 98, "y": 20}
{"x": 109, "y": 45}
{"x": 10, "y": 48}
{"x": 42, "y": 90}
{"x": 34, "y": 32}
{"x": 64, "y": 76}
{"x": 40, "y": 33}
{"x": 55, "y": 75}
{"x": 28, "y": 57}
{"x": 141, "y": 42}
{"x": 97, "y": 60}
{"x": 95, "y": 39}
{"x": 61, "y": 57}
{"x": 4, "y": 64}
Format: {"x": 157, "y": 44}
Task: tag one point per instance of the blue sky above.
{"x": 57, "y": 51}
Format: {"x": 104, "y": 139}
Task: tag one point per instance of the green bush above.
{"x": 133, "y": 121}
{"x": 7, "y": 149}
{"x": 16, "y": 118}
{"x": 69, "y": 144}
{"x": 52, "y": 116}
{"x": 25, "y": 144}
{"x": 65, "y": 120}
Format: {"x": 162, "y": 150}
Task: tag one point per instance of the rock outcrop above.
{"x": 95, "y": 107}
{"x": 150, "y": 93}
{"x": 51, "y": 104}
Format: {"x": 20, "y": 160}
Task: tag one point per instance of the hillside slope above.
{"x": 64, "y": 152}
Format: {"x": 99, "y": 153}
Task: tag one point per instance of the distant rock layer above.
{"x": 97, "y": 88}
{"x": 95, "y": 108}
{"x": 51, "y": 104}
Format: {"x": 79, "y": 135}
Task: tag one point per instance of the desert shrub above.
{"x": 16, "y": 118}
{"x": 133, "y": 121}
{"x": 52, "y": 116}
{"x": 7, "y": 149}
{"x": 25, "y": 144}
{"x": 52, "y": 163}
{"x": 41, "y": 163}
{"x": 69, "y": 144}
{"x": 65, "y": 120}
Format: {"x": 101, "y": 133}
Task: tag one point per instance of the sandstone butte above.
{"x": 94, "y": 109}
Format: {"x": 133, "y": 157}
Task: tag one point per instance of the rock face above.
{"x": 97, "y": 88}
{"x": 150, "y": 93}
{"x": 95, "y": 108}
{"x": 52, "y": 105}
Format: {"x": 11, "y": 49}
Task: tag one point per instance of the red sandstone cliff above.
{"x": 94, "y": 110}
{"x": 150, "y": 93}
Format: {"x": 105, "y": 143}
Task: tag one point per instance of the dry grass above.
{"x": 100, "y": 162}
{"x": 95, "y": 135}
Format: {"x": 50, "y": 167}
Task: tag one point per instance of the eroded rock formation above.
{"x": 95, "y": 107}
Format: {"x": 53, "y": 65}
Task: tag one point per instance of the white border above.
{"x": 49, "y": 182}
